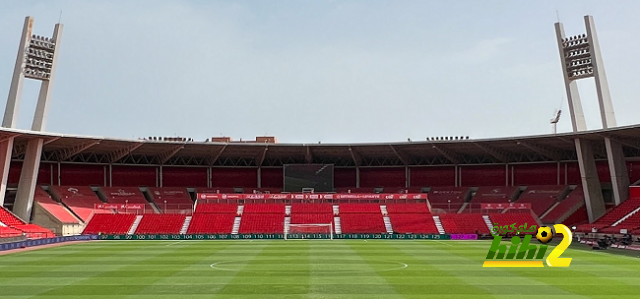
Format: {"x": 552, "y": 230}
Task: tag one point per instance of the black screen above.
{"x": 316, "y": 176}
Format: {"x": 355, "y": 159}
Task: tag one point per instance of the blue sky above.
{"x": 308, "y": 71}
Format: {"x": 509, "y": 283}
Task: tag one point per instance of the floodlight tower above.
{"x": 554, "y": 121}
{"x": 37, "y": 58}
{"x": 581, "y": 58}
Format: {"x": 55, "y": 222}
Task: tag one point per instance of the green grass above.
{"x": 305, "y": 269}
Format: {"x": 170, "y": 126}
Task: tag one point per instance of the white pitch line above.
{"x": 444, "y": 243}
{"x": 174, "y": 243}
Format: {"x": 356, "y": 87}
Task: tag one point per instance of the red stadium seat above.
{"x": 116, "y": 224}
{"x": 371, "y": 223}
{"x": 463, "y": 223}
{"x": 211, "y": 224}
{"x": 160, "y": 224}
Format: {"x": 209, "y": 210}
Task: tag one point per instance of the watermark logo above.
{"x": 521, "y": 253}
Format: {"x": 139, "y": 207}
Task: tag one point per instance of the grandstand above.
{"x": 175, "y": 185}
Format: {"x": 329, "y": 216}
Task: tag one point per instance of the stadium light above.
{"x": 36, "y": 60}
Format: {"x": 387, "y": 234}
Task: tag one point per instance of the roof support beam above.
{"x": 308, "y": 157}
{"x": 52, "y": 139}
{"x": 164, "y": 157}
{"x": 404, "y": 158}
{"x": 66, "y": 153}
{"x": 123, "y": 152}
{"x": 452, "y": 156}
{"x": 18, "y": 150}
{"x": 261, "y": 156}
{"x": 501, "y": 156}
{"x": 542, "y": 150}
{"x": 632, "y": 144}
{"x": 357, "y": 158}
{"x": 211, "y": 159}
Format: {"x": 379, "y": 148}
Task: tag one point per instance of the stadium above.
{"x": 174, "y": 217}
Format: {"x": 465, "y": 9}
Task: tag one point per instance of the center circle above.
{"x": 289, "y": 266}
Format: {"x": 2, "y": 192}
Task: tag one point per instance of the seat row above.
{"x": 220, "y": 219}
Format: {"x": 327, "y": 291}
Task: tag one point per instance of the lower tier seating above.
{"x": 413, "y": 223}
{"x": 211, "y": 224}
{"x": 408, "y": 208}
{"x": 160, "y": 224}
{"x": 311, "y": 218}
{"x": 116, "y": 224}
{"x": 262, "y": 224}
{"x": 7, "y": 232}
{"x": 219, "y": 208}
{"x": 578, "y": 217}
{"x": 33, "y": 231}
{"x": 9, "y": 219}
{"x": 360, "y": 208}
{"x": 362, "y": 223}
{"x": 464, "y": 224}
{"x": 311, "y": 208}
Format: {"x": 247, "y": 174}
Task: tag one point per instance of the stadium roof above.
{"x": 542, "y": 148}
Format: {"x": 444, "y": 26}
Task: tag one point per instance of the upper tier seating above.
{"x": 360, "y": 208}
{"x": 362, "y": 223}
{"x": 9, "y": 219}
{"x": 220, "y": 190}
{"x": 264, "y": 190}
{"x": 464, "y": 223}
{"x": 160, "y": 224}
{"x": 116, "y": 224}
{"x": 121, "y": 195}
{"x": 412, "y": 190}
{"x": 220, "y": 223}
{"x": 575, "y": 198}
{"x": 413, "y": 223}
{"x": 519, "y": 219}
{"x": 172, "y": 196}
{"x": 126, "y": 195}
{"x": 80, "y": 199}
{"x": 494, "y": 194}
{"x": 410, "y": 208}
{"x": 216, "y": 208}
{"x": 355, "y": 190}
{"x": 541, "y": 198}
{"x": 445, "y": 197}
{"x": 54, "y": 208}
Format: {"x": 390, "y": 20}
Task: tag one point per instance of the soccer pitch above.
{"x": 305, "y": 269}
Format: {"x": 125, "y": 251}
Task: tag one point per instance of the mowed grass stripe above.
{"x": 465, "y": 263}
{"x": 133, "y": 275}
{"x": 345, "y": 269}
{"x": 421, "y": 275}
{"x": 344, "y": 272}
{"x": 266, "y": 272}
{"x": 52, "y": 275}
{"x": 198, "y": 277}
{"x": 572, "y": 282}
